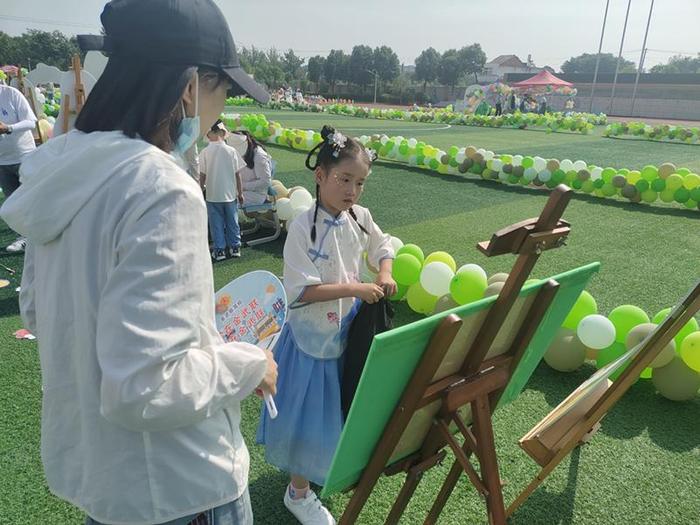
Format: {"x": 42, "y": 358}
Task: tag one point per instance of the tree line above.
{"x": 357, "y": 71}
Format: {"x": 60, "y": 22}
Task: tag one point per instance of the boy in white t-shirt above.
{"x": 219, "y": 166}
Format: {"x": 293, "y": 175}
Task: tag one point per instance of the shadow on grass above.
{"x": 266, "y": 495}
{"x": 9, "y": 306}
{"x": 670, "y": 425}
{"x": 542, "y": 506}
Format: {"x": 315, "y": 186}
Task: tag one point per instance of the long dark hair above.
{"x": 328, "y": 153}
{"x": 140, "y": 98}
{"x": 252, "y": 145}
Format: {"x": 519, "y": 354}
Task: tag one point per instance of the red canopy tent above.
{"x": 541, "y": 79}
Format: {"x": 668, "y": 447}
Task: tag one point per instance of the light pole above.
{"x": 597, "y": 60}
{"x": 619, "y": 56}
{"x": 641, "y": 60}
{"x": 376, "y": 81}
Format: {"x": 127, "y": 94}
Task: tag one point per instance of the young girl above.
{"x": 256, "y": 174}
{"x": 322, "y": 258}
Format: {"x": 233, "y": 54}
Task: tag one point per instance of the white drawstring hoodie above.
{"x": 140, "y": 418}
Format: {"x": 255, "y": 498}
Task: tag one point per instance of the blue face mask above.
{"x": 188, "y": 131}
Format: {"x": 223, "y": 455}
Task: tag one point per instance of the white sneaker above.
{"x": 18, "y": 246}
{"x": 308, "y": 510}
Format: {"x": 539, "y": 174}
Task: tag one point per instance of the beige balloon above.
{"x": 445, "y": 303}
{"x": 494, "y": 289}
{"x": 639, "y": 333}
{"x": 566, "y": 353}
{"x": 676, "y": 381}
{"x": 498, "y": 278}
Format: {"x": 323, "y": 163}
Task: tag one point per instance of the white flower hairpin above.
{"x": 371, "y": 154}
{"x": 337, "y": 141}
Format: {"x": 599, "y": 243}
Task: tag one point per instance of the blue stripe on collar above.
{"x": 334, "y": 222}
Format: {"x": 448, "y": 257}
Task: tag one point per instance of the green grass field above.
{"x": 644, "y": 464}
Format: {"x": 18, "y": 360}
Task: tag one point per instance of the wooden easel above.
{"x": 478, "y": 385}
{"x": 78, "y": 95}
{"x": 28, "y": 93}
{"x": 579, "y": 415}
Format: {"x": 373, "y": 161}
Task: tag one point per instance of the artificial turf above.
{"x": 643, "y": 466}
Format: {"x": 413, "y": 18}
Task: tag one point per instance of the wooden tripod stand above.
{"x": 463, "y": 401}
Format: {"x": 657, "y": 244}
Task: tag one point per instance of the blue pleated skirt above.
{"x": 302, "y": 439}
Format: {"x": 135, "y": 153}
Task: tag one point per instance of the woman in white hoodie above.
{"x": 140, "y": 419}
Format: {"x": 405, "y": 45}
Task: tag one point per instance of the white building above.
{"x": 499, "y": 66}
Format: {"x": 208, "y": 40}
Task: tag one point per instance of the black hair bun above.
{"x": 327, "y": 131}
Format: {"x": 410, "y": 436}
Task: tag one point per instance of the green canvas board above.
{"x": 395, "y": 354}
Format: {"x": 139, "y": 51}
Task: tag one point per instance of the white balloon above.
{"x": 544, "y": 175}
{"x": 460, "y": 156}
{"x": 412, "y": 143}
{"x": 517, "y": 160}
{"x": 296, "y": 211}
{"x": 384, "y": 139}
{"x": 502, "y": 176}
{"x": 364, "y": 139}
{"x": 596, "y": 173}
{"x": 396, "y": 243}
{"x": 471, "y": 267}
{"x": 412, "y": 160}
{"x": 488, "y": 155}
{"x": 580, "y": 165}
{"x": 435, "y": 278}
{"x": 496, "y": 164}
{"x": 530, "y": 174}
{"x": 301, "y": 197}
{"x": 284, "y": 209}
{"x": 566, "y": 165}
{"x": 539, "y": 163}
{"x": 596, "y": 331}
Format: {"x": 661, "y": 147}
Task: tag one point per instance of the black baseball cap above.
{"x": 186, "y": 32}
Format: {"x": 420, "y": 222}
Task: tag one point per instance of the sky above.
{"x": 549, "y": 30}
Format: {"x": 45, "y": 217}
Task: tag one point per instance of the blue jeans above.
{"x": 223, "y": 224}
{"x": 237, "y": 512}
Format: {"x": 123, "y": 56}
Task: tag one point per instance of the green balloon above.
{"x": 658, "y": 185}
{"x": 642, "y": 185}
{"x": 401, "y": 290}
{"x": 649, "y": 173}
{"x": 406, "y": 269}
{"x": 420, "y": 301}
{"x": 681, "y": 195}
{"x": 649, "y": 196}
{"x": 626, "y": 317}
{"x": 588, "y": 186}
{"x": 413, "y": 250}
{"x": 403, "y": 149}
{"x": 688, "y": 328}
{"x": 527, "y": 162}
{"x": 608, "y": 355}
{"x": 608, "y": 174}
{"x": 666, "y": 195}
{"x": 609, "y": 190}
{"x": 584, "y": 306}
{"x": 468, "y": 286}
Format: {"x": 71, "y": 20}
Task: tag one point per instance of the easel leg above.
{"x": 487, "y": 458}
{"x": 409, "y": 487}
{"x": 445, "y": 491}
